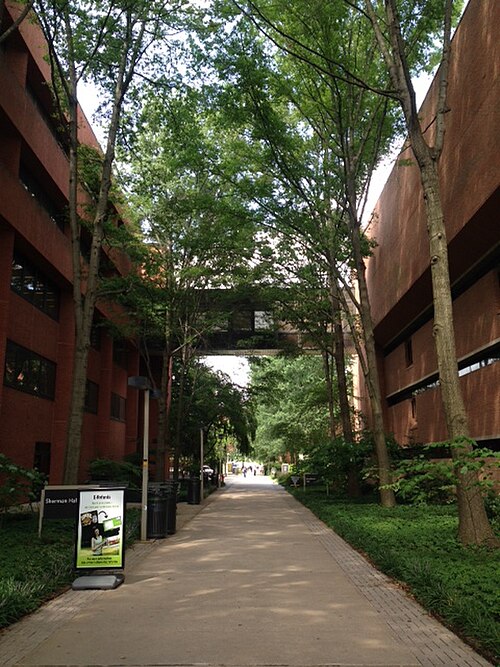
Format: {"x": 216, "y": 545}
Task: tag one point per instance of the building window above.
{"x": 413, "y": 407}
{"x": 95, "y": 336}
{"x": 91, "y": 397}
{"x": 120, "y": 356}
{"x": 117, "y": 407}
{"x": 27, "y": 281}
{"x": 29, "y": 372}
{"x": 39, "y": 193}
{"x": 41, "y": 460}
{"x": 408, "y": 352}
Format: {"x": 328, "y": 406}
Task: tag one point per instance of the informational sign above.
{"x": 101, "y": 530}
{"x": 60, "y": 502}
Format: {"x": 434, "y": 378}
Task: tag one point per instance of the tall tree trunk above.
{"x": 387, "y": 497}
{"x": 474, "y": 527}
{"x": 85, "y": 291}
{"x": 329, "y": 390}
{"x": 353, "y": 487}
{"x": 178, "y": 425}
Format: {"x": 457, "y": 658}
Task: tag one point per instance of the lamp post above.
{"x": 202, "y": 442}
{"x": 142, "y": 383}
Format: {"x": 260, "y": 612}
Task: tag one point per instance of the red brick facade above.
{"x": 398, "y": 274}
{"x": 33, "y": 184}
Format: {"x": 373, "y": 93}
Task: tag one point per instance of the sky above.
{"x": 236, "y": 367}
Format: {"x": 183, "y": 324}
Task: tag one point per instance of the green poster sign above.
{"x": 101, "y": 529}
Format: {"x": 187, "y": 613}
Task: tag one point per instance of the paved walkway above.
{"x": 251, "y": 578}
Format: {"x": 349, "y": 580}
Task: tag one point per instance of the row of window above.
{"x": 472, "y": 364}
{"x": 30, "y": 283}
{"x": 33, "y": 374}
{"x": 39, "y": 193}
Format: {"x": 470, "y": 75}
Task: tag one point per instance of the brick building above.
{"x": 36, "y": 308}
{"x": 398, "y": 274}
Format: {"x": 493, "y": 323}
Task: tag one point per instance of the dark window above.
{"x": 95, "y": 336}
{"x": 120, "y": 353}
{"x": 242, "y": 321}
{"x": 414, "y": 407}
{"x": 41, "y": 459}
{"x": 39, "y": 192}
{"x": 117, "y": 407}
{"x": 27, "y": 371}
{"x": 408, "y": 352}
{"x": 27, "y": 281}
{"x": 41, "y": 98}
{"x": 91, "y": 397}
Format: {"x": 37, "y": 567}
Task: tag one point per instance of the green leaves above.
{"x": 291, "y": 405}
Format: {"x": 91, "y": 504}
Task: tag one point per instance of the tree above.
{"x": 394, "y": 29}
{"x": 321, "y": 167}
{"x": 199, "y": 234}
{"x": 404, "y": 34}
{"x": 107, "y": 43}
{"x": 212, "y": 403}
{"x": 291, "y": 406}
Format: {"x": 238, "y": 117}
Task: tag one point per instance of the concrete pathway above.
{"x": 251, "y": 578}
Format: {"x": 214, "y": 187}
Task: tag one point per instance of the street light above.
{"x": 202, "y": 484}
{"x": 142, "y": 383}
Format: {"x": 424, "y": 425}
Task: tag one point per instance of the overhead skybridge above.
{"x": 249, "y": 324}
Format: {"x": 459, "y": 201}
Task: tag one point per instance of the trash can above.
{"x": 162, "y": 509}
{"x": 157, "y": 516}
{"x": 170, "y": 492}
{"x": 194, "y": 491}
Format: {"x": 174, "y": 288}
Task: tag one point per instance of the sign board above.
{"x": 101, "y": 529}
{"x": 60, "y": 502}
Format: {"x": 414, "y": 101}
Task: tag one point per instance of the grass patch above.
{"x": 417, "y": 545}
{"x": 33, "y": 569}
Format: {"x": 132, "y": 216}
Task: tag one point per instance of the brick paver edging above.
{"x": 432, "y": 644}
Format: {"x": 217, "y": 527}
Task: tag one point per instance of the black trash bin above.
{"x": 157, "y": 516}
{"x": 170, "y": 492}
{"x": 162, "y": 509}
{"x": 194, "y": 491}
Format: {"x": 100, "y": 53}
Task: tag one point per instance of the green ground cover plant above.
{"x": 417, "y": 545}
{"x": 33, "y": 569}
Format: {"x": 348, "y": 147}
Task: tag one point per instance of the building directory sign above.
{"x": 100, "y": 530}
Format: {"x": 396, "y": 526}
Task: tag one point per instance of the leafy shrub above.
{"x": 423, "y": 479}
{"x": 18, "y": 484}
{"x": 492, "y": 505}
{"x": 115, "y": 471}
